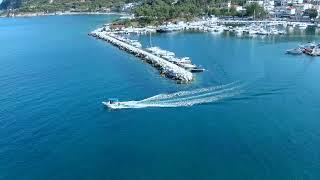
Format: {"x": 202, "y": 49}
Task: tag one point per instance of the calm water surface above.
{"x": 53, "y": 78}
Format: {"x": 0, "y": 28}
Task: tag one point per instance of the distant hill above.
{"x": 62, "y": 5}
{"x": 6, "y": 4}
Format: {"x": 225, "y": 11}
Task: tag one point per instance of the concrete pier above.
{"x": 165, "y": 67}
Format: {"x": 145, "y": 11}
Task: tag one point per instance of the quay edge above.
{"x": 165, "y": 67}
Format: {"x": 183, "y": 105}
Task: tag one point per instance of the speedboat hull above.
{"x": 294, "y": 51}
{"x": 197, "y": 70}
{"x": 111, "y": 105}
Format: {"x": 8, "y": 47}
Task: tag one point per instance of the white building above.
{"x": 128, "y": 6}
{"x": 260, "y": 2}
{"x": 268, "y": 5}
{"x": 239, "y": 8}
{"x": 307, "y": 6}
{"x": 291, "y": 11}
{"x": 297, "y": 1}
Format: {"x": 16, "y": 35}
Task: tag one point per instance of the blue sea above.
{"x": 253, "y": 114}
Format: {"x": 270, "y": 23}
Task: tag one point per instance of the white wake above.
{"x": 186, "y": 98}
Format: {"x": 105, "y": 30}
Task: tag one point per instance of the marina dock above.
{"x": 166, "y": 68}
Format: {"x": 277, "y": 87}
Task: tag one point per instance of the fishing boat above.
{"x": 295, "y": 51}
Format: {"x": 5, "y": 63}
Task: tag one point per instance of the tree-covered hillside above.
{"x": 62, "y": 5}
{"x": 6, "y": 4}
{"x": 146, "y": 11}
{"x": 158, "y": 11}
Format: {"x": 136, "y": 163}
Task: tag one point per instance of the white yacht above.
{"x": 185, "y": 60}
{"x": 262, "y": 31}
{"x": 160, "y": 52}
{"x": 135, "y": 43}
{"x": 238, "y": 31}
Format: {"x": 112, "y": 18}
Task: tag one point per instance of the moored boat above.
{"x": 302, "y": 26}
{"x": 296, "y": 51}
{"x": 197, "y": 69}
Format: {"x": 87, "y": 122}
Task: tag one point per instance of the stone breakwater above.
{"x": 165, "y": 67}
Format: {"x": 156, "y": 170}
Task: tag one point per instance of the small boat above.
{"x": 315, "y": 51}
{"x": 169, "y": 28}
{"x": 112, "y": 103}
{"x": 262, "y": 32}
{"x": 160, "y": 52}
{"x": 302, "y": 26}
{"x": 136, "y": 44}
{"x": 296, "y": 51}
{"x": 308, "y": 45}
{"x": 186, "y": 65}
{"x": 197, "y": 69}
{"x": 185, "y": 60}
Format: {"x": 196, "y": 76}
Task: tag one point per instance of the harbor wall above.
{"x": 165, "y": 67}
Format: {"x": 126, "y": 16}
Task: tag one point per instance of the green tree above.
{"x": 216, "y": 11}
{"x": 255, "y": 10}
{"x": 312, "y": 13}
{"x": 233, "y": 11}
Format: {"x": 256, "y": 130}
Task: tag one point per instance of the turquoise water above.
{"x": 53, "y": 78}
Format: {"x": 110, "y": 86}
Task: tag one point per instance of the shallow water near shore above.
{"x": 53, "y": 78}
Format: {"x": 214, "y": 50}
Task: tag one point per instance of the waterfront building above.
{"x": 260, "y": 2}
{"x": 316, "y": 2}
{"x": 268, "y": 5}
{"x": 129, "y": 6}
{"x": 238, "y": 8}
{"x": 297, "y": 1}
{"x": 307, "y": 6}
{"x": 291, "y": 10}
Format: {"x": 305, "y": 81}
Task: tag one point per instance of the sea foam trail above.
{"x": 187, "y": 98}
{"x": 202, "y": 95}
{"x": 187, "y": 93}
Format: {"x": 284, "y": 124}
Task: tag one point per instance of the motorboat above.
{"x": 160, "y": 52}
{"x": 186, "y": 65}
{"x": 169, "y": 28}
{"x": 308, "y": 45}
{"x": 238, "y": 31}
{"x": 197, "y": 69}
{"x": 186, "y": 60}
{"x": 262, "y": 31}
{"x": 136, "y": 44}
{"x": 112, "y": 103}
{"x": 171, "y": 59}
{"x": 315, "y": 51}
{"x": 296, "y": 51}
{"x": 302, "y": 26}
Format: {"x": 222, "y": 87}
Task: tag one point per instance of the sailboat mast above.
{"x": 150, "y": 39}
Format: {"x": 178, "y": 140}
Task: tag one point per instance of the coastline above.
{"x": 22, "y": 15}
